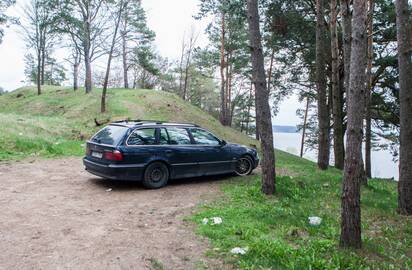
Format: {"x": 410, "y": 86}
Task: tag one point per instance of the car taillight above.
{"x": 114, "y": 155}
{"x": 88, "y": 151}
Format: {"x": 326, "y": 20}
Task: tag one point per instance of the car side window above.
{"x": 144, "y": 136}
{"x": 203, "y": 137}
{"x": 163, "y": 137}
{"x": 178, "y": 136}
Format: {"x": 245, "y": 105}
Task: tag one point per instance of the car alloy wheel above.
{"x": 243, "y": 166}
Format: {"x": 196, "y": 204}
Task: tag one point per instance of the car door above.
{"x": 182, "y": 153}
{"x": 214, "y": 156}
{"x": 140, "y": 147}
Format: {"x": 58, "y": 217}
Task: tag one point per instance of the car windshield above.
{"x": 110, "y": 135}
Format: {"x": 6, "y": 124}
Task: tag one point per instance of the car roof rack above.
{"x": 143, "y": 121}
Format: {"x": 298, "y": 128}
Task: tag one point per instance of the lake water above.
{"x": 382, "y": 164}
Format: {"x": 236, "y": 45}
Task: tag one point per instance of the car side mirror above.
{"x": 223, "y": 142}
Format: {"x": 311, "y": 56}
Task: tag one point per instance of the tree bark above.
{"x": 347, "y": 39}
{"x": 124, "y": 55}
{"x": 257, "y": 134}
{"x": 88, "y": 68}
{"x": 353, "y": 173}
{"x": 404, "y": 36}
{"x": 106, "y": 78}
{"x": 181, "y": 67}
{"x": 368, "y": 122}
{"x": 228, "y": 90}
{"x": 337, "y": 95}
{"x": 323, "y": 110}
{"x": 223, "y": 110}
{"x": 248, "y": 107}
{"x": 75, "y": 75}
{"x": 124, "y": 51}
{"x": 302, "y": 144}
{"x": 87, "y": 58}
{"x": 43, "y": 59}
{"x": 38, "y": 76}
{"x": 262, "y": 97}
{"x": 272, "y": 58}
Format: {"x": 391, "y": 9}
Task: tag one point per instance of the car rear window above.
{"x": 110, "y": 135}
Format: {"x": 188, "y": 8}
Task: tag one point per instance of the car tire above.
{"x": 156, "y": 175}
{"x": 244, "y": 166}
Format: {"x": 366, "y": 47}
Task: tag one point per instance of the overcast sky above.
{"x": 169, "y": 19}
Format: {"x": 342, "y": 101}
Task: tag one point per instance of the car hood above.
{"x": 241, "y": 146}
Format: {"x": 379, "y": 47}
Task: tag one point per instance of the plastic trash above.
{"x": 205, "y": 221}
{"x": 108, "y": 190}
{"x": 315, "y": 221}
{"x": 239, "y": 250}
{"x": 216, "y": 220}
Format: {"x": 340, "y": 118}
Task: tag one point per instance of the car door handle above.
{"x": 169, "y": 151}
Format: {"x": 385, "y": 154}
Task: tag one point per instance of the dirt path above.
{"x": 54, "y": 215}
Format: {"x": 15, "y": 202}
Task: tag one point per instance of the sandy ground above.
{"x": 54, "y": 215}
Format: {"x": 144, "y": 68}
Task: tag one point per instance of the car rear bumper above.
{"x": 133, "y": 172}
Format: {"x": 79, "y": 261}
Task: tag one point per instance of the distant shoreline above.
{"x": 285, "y": 129}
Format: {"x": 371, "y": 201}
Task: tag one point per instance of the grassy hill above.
{"x": 275, "y": 229}
{"x": 58, "y": 121}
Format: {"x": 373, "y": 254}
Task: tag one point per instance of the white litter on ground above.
{"x": 239, "y": 250}
{"x": 216, "y": 220}
{"x": 213, "y": 221}
{"x": 315, "y": 221}
{"x": 108, "y": 190}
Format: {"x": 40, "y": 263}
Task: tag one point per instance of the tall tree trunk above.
{"x": 43, "y": 61}
{"x": 272, "y": 58}
{"x": 124, "y": 48}
{"x": 347, "y": 39}
{"x": 229, "y": 110}
{"x": 106, "y": 78}
{"x": 354, "y": 173}
{"x": 223, "y": 115}
{"x": 337, "y": 104}
{"x": 88, "y": 68}
{"x": 87, "y": 59}
{"x": 184, "y": 95}
{"x": 38, "y": 76}
{"x": 404, "y": 36}
{"x": 302, "y": 144}
{"x": 181, "y": 67}
{"x": 323, "y": 110}
{"x": 262, "y": 97}
{"x": 257, "y": 133}
{"x": 368, "y": 124}
{"x": 124, "y": 57}
{"x": 75, "y": 75}
{"x": 248, "y": 107}
{"x": 187, "y": 65}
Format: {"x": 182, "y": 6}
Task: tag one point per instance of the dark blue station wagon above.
{"x": 154, "y": 152}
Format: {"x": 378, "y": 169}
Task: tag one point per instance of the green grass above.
{"x": 276, "y": 228}
{"x": 57, "y": 122}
